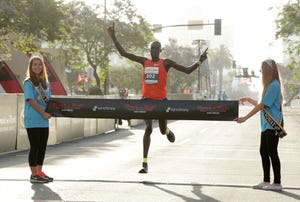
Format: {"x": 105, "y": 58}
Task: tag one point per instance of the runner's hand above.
{"x": 111, "y": 30}
{"x": 203, "y": 56}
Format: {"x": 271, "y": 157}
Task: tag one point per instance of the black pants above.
{"x": 38, "y": 138}
{"x": 268, "y": 150}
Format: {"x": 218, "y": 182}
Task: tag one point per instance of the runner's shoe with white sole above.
{"x": 144, "y": 168}
{"x": 171, "y": 136}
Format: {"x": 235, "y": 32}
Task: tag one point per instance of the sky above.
{"x": 248, "y": 26}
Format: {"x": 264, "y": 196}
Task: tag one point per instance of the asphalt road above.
{"x": 209, "y": 161}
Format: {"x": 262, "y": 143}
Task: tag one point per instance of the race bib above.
{"x": 151, "y": 75}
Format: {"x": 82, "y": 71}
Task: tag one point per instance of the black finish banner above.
{"x": 143, "y": 109}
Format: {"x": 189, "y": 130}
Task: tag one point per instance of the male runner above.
{"x": 154, "y": 85}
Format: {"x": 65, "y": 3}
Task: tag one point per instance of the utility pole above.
{"x": 107, "y": 80}
{"x": 200, "y": 43}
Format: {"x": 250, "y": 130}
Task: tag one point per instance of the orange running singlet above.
{"x": 154, "y": 80}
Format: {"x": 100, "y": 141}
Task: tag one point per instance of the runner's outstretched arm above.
{"x": 121, "y": 50}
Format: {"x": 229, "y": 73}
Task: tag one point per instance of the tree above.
{"x": 28, "y": 21}
{"x": 134, "y": 31}
{"x": 178, "y": 81}
{"x": 220, "y": 58}
{"x": 288, "y": 89}
{"x": 288, "y": 28}
{"x": 89, "y": 33}
{"x": 127, "y": 77}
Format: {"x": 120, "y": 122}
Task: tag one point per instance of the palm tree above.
{"x": 220, "y": 58}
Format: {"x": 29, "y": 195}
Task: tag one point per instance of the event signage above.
{"x": 143, "y": 109}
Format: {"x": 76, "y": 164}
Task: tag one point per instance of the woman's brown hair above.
{"x": 270, "y": 72}
{"x": 42, "y": 77}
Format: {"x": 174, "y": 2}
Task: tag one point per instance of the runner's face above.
{"x": 154, "y": 51}
{"x": 37, "y": 66}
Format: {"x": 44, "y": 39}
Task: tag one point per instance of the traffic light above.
{"x": 233, "y": 64}
{"x": 157, "y": 28}
{"x": 218, "y": 25}
{"x": 245, "y": 72}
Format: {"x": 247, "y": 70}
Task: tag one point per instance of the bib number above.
{"x": 151, "y": 75}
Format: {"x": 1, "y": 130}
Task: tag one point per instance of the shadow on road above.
{"x": 42, "y": 192}
{"x": 196, "y": 190}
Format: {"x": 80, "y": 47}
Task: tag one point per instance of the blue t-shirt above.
{"x": 272, "y": 103}
{"x": 33, "y": 119}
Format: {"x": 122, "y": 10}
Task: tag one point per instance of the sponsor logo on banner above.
{"x": 68, "y": 107}
{"x": 101, "y": 108}
{"x": 202, "y": 108}
{"x": 171, "y": 109}
{"x": 140, "y": 108}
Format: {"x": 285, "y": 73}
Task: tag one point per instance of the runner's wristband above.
{"x": 199, "y": 62}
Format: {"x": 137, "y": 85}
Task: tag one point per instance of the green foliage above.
{"x": 88, "y": 33}
{"x": 179, "y": 81}
{"x": 25, "y": 21}
{"x": 40, "y": 18}
{"x": 127, "y": 77}
{"x": 4, "y": 49}
{"x": 288, "y": 20}
{"x": 288, "y": 28}
{"x": 133, "y": 31}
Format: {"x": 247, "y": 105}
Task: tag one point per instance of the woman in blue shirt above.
{"x": 36, "y": 121}
{"x": 271, "y": 100}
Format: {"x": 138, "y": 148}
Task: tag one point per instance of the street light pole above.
{"x": 217, "y": 26}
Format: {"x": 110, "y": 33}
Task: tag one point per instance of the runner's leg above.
{"x": 165, "y": 130}
{"x": 146, "y": 145}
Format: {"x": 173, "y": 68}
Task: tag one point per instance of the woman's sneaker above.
{"x": 274, "y": 187}
{"x": 261, "y": 185}
{"x": 43, "y": 175}
{"x": 38, "y": 179}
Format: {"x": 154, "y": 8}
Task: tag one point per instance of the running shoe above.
{"x": 42, "y": 174}
{"x": 38, "y": 179}
{"x": 273, "y": 187}
{"x": 144, "y": 169}
{"x": 171, "y": 136}
{"x": 261, "y": 185}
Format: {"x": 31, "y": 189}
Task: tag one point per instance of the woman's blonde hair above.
{"x": 37, "y": 79}
{"x": 270, "y": 72}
